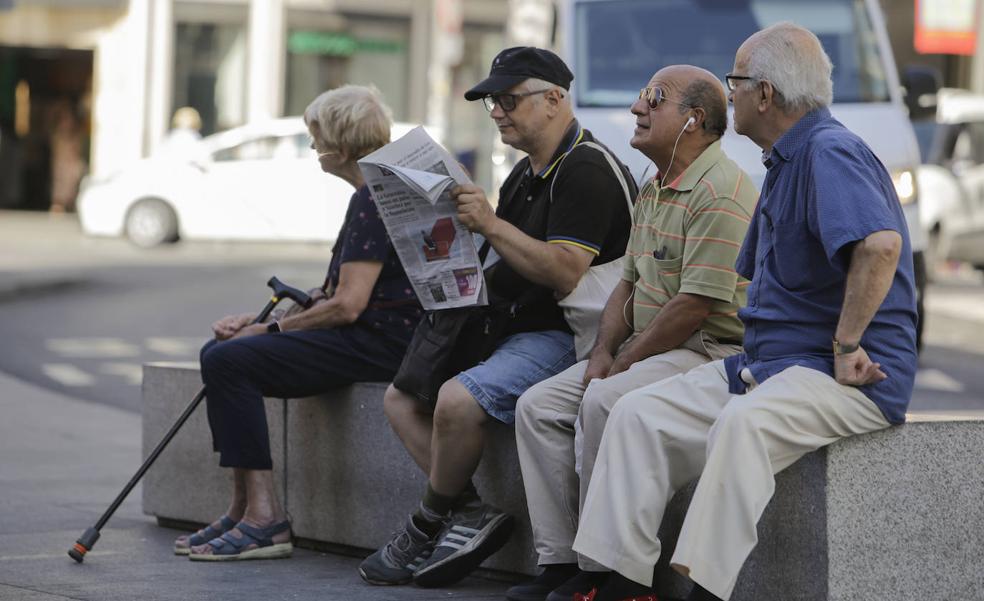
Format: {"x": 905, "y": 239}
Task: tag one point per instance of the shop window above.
{"x": 369, "y": 52}
{"x": 209, "y": 71}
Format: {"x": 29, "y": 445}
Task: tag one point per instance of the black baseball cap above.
{"x": 515, "y": 65}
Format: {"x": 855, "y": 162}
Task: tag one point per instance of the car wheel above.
{"x": 151, "y": 222}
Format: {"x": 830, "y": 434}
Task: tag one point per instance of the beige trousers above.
{"x": 662, "y": 436}
{"x": 545, "y": 426}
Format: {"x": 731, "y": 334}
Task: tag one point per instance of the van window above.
{"x": 619, "y": 44}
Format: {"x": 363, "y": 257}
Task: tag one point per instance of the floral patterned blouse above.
{"x": 393, "y": 307}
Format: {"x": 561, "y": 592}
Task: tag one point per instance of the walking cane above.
{"x": 90, "y": 536}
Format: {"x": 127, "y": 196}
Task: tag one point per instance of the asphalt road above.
{"x": 90, "y": 338}
{"x": 114, "y": 307}
{"x": 88, "y": 312}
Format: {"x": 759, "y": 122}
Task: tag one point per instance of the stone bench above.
{"x": 893, "y": 515}
{"x": 344, "y": 476}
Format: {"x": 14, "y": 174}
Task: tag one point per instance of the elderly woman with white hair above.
{"x": 357, "y": 330}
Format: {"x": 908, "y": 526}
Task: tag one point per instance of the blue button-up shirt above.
{"x": 824, "y": 190}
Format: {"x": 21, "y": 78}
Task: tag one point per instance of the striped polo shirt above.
{"x": 686, "y": 238}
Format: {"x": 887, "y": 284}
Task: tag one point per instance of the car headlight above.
{"x": 905, "y": 185}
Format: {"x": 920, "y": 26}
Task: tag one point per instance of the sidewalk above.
{"x": 62, "y": 461}
{"x": 42, "y": 252}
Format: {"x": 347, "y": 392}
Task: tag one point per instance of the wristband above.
{"x": 844, "y": 349}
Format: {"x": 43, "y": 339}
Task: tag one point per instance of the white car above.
{"x": 255, "y": 182}
{"x": 951, "y": 178}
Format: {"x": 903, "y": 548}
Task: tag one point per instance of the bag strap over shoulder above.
{"x": 619, "y": 175}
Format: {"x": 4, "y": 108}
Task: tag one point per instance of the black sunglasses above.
{"x": 507, "y": 102}
{"x": 655, "y": 96}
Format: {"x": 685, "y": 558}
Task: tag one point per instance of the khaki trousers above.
{"x": 545, "y": 432}
{"x": 662, "y": 436}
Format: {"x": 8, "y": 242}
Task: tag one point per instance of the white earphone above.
{"x": 689, "y": 122}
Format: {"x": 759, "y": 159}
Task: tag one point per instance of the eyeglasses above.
{"x": 655, "y": 96}
{"x": 732, "y": 80}
{"x": 507, "y": 102}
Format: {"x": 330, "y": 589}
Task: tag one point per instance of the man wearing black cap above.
{"x": 564, "y": 208}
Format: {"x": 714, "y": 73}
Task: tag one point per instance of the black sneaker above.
{"x": 552, "y": 576}
{"x": 581, "y": 584}
{"x": 472, "y": 534}
{"x": 396, "y": 561}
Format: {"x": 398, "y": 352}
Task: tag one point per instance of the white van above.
{"x": 615, "y": 46}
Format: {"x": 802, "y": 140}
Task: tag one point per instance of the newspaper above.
{"x": 410, "y": 179}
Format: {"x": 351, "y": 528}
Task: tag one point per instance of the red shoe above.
{"x": 591, "y": 595}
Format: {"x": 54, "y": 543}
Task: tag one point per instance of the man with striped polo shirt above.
{"x": 675, "y": 309}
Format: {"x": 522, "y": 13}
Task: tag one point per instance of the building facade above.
{"x": 121, "y": 68}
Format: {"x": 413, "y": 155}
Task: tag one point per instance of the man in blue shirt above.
{"x": 829, "y": 349}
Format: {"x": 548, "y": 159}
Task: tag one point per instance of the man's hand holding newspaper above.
{"x": 411, "y": 180}
{"x": 474, "y": 210}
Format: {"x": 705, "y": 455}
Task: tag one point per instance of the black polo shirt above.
{"x": 587, "y": 210}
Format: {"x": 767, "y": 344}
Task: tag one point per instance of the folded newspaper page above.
{"x": 410, "y": 180}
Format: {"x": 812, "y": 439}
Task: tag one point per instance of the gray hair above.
{"x": 353, "y": 119}
{"x": 533, "y": 85}
{"x": 793, "y": 60}
{"x": 711, "y": 98}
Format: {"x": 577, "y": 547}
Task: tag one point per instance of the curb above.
{"x": 12, "y": 288}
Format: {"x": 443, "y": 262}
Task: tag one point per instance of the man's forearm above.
{"x": 539, "y": 262}
{"x": 613, "y": 329}
{"x": 676, "y": 321}
{"x": 873, "y": 264}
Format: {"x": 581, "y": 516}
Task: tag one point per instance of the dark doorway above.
{"x": 45, "y": 126}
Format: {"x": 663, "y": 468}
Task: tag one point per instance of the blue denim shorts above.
{"x": 519, "y": 362}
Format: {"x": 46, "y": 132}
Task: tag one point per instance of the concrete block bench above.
{"x": 344, "y": 477}
{"x": 894, "y": 515}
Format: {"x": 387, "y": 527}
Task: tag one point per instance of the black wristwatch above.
{"x": 843, "y": 349}
{"x": 273, "y": 327}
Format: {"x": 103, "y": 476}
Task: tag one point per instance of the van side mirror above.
{"x": 921, "y": 84}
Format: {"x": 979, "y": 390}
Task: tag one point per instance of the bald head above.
{"x": 700, "y": 88}
{"x": 792, "y": 59}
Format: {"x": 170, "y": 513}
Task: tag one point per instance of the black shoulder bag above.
{"x": 447, "y": 342}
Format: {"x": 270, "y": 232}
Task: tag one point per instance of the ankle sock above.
{"x": 699, "y": 593}
{"x": 583, "y": 582}
{"x": 438, "y": 503}
{"x": 468, "y": 496}
{"x": 427, "y": 521}
{"x": 556, "y": 574}
{"x": 618, "y": 587}
{"x": 430, "y": 514}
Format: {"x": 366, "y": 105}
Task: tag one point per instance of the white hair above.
{"x": 792, "y": 59}
{"x": 353, "y": 119}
